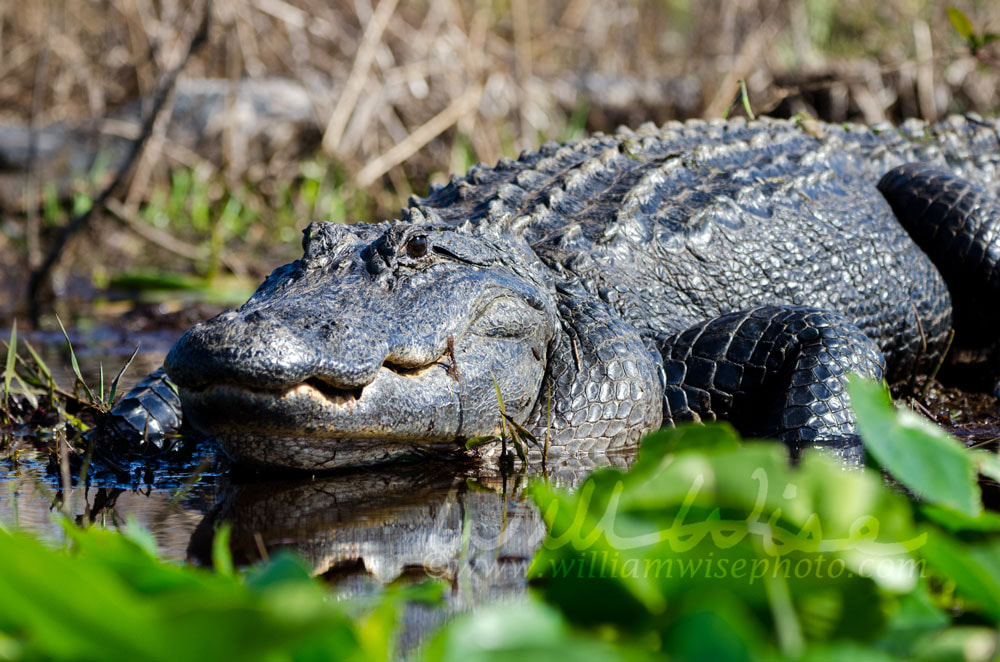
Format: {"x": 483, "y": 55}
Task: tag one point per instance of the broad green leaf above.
{"x": 525, "y": 631}
{"x": 110, "y": 599}
{"x": 283, "y": 568}
{"x": 975, "y": 568}
{"x": 75, "y": 609}
{"x": 714, "y": 625}
{"x": 709, "y": 438}
{"x": 845, "y": 651}
{"x": 965, "y": 642}
{"x": 955, "y": 521}
{"x": 987, "y": 463}
{"x": 917, "y": 453}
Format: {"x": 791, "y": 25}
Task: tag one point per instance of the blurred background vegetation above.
{"x": 293, "y": 110}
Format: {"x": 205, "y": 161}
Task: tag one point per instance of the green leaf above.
{"x": 476, "y": 442}
{"x": 987, "y": 463}
{"x": 138, "y": 534}
{"x": 75, "y": 609}
{"x": 222, "y": 557}
{"x": 955, "y": 521}
{"x": 710, "y": 438}
{"x": 526, "y": 630}
{"x": 81, "y": 204}
{"x": 975, "y": 568}
{"x": 284, "y": 568}
{"x": 962, "y": 24}
{"x": 917, "y": 453}
{"x": 966, "y": 643}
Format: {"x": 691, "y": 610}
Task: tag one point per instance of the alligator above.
{"x": 708, "y": 270}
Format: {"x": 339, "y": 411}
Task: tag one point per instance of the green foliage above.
{"x": 154, "y": 285}
{"x": 707, "y": 548}
{"x": 719, "y": 550}
{"x": 37, "y": 386}
{"x": 105, "y": 596}
{"x": 209, "y": 213}
{"x": 521, "y": 632}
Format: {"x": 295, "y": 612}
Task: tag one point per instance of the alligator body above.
{"x": 698, "y": 271}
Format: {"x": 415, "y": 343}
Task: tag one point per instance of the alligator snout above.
{"x": 262, "y": 351}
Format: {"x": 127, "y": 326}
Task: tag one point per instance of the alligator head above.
{"x": 383, "y": 340}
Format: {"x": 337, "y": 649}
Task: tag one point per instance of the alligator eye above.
{"x": 417, "y": 246}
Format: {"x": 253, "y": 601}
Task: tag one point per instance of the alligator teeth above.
{"x": 329, "y": 391}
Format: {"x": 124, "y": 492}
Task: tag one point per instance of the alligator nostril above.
{"x": 256, "y": 317}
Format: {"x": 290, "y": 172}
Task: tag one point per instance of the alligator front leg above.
{"x": 147, "y": 414}
{"x": 603, "y": 389}
{"x": 772, "y": 371}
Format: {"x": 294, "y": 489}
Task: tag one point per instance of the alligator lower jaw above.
{"x": 312, "y": 427}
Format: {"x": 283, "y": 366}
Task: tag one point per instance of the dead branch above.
{"x": 40, "y": 275}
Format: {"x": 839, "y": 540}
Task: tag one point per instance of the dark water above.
{"x": 461, "y": 522}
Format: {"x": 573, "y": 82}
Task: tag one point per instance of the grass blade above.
{"x": 508, "y": 431}
{"x": 9, "y": 368}
{"x": 114, "y": 382}
{"x": 32, "y": 400}
{"x": 521, "y": 430}
{"x": 745, "y": 96}
{"x": 75, "y": 363}
{"x": 46, "y": 372}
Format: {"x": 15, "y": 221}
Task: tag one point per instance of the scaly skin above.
{"x": 696, "y": 271}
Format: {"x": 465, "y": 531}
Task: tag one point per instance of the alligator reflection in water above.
{"x": 464, "y": 523}
{"x": 471, "y": 527}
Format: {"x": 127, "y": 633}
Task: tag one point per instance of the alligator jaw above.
{"x": 314, "y": 426}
